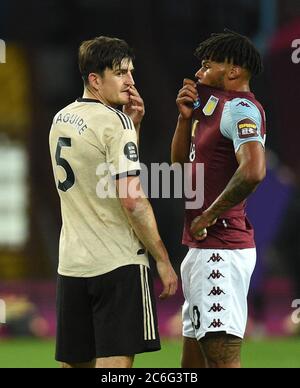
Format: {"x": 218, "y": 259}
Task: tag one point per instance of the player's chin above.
{"x": 204, "y": 82}
{"x": 124, "y": 99}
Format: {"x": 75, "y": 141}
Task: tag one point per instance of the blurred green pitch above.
{"x": 266, "y": 353}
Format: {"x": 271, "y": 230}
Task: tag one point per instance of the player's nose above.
{"x": 130, "y": 80}
{"x": 198, "y": 75}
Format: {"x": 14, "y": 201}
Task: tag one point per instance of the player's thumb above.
{"x": 165, "y": 292}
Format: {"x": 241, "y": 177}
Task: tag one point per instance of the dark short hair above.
{"x": 102, "y": 52}
{"x": 231, "y": 47}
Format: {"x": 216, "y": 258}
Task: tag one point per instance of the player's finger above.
{"x": 165, "y": 293}
{"x": 188, "y": 81}
{"x": 201, "y": 237}
{"x": 188, "y": 93}
{"x": 173, "y": 288}
{"x": 137, "y": 108}
{"x": 136, "y": 98}
{"x": 185, "y": 100}
{"x": 134, "y": 91}
{"x": 191, "y": 88}
{"x": 170, "y": 289}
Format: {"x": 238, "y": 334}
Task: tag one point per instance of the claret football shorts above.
{"x": 108, "y": 315}
{"x": 215, "y": 285}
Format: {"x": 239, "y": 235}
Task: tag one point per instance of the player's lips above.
{"x": 126, "y": 91}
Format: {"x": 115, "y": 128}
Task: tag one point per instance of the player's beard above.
{"x": 217, "y": 83}
{"x": 123, "y": 99}
{"x": 117, "y": 100}
{"x": 220, "y": 83}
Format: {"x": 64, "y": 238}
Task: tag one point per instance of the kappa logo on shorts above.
{"x": 216, "y": 275}
{"x": 216, "y": 307}
{"x": 216, "y": 291}
{"x": 216, "y": 323}
{"x": 215, "y": 258}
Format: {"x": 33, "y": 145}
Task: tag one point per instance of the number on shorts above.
{"x": 196, "y": 317}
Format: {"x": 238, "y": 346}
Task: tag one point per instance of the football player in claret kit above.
{"x": 221, "y": 125}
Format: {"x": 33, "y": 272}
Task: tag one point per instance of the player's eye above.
{"x": 205, "y": 66}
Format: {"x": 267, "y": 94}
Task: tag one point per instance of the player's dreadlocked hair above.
{"x": 231, "y": 47}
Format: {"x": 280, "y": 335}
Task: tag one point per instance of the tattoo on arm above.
{"x": 237, "y": 190}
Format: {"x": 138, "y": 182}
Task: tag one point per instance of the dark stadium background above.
{"x": 40, "y": 76}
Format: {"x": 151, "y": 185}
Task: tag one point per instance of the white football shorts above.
{"x": 215, "y": 285}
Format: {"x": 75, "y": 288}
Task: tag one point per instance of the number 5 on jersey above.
{"x": 70, "y": 179}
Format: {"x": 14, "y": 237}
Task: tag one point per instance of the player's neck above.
{"x": 94, "y": 95}
{"x": 237, "y": 86}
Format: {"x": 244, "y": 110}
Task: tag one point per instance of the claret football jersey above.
{"x": 222, "y": 122}
{"x": 91, "y": 145}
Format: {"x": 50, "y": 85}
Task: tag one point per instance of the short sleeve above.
{"x": 122, "y": 151}
{"x": 241, "y": 122}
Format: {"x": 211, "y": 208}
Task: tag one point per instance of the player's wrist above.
{"x": 183, "y": 118}
{"x": 162, "y": 259}
{"x": 211, "y": 215}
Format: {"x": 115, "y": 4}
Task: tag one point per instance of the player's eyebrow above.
{"x": 123, "y": 70}
{"x": 205, "y": 62}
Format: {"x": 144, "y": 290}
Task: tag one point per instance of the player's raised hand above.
{"x": 168, "y": 277}
{"x": 136, "y": 108}
{"x": 186, "y": 97}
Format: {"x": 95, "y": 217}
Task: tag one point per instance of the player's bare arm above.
{"x": 135, "y": 109}
{"x": 182, "y": 138}
{"x": 141, "y": 217}
{"x": 250, "y": 173}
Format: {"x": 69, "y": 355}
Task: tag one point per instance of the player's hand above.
{"x": 187, "y": 95}
{"x": 168, "y": 277}
{"x": 136, "y": 108}
{"x": 200, "y": 224}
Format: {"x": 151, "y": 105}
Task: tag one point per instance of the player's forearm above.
{"x": 137, "y": 129}
{"x": 242, "y": 184}
{"x": 181, "y": 141}
{"x": 144, "y": 225}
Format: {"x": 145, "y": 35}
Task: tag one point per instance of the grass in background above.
{"x": 267, "y": 353}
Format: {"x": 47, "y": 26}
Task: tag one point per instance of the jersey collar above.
{"x": 82, "y": 99}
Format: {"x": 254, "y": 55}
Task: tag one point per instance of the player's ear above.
{"x": 94, "y": 80}
{"x": 234, "y": 72}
